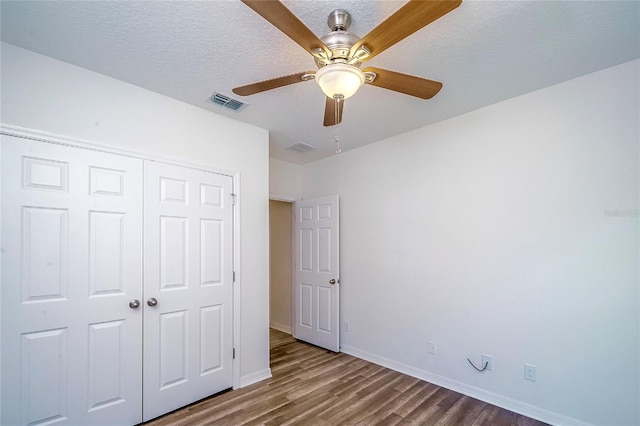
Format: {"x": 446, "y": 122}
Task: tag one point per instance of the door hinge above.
{"x": 234, "y": 353}
{"x": 233, "y": 199}
{"x": 234, "y": 277}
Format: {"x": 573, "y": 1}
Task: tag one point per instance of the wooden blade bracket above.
{"x": 321, "y": 56}
{"x": 360, "y": 55}
{"x": 369, "y": 76}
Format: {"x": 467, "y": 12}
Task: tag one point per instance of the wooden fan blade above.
{"x": 274, "y": 83}
{"x": 330, "y": 111}
{"x": 404, "y": 83}
{"x": 283, "y": 19}
{"x": 411, "y": 17}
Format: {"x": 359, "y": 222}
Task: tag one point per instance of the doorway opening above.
{"x": 280, "y": 266}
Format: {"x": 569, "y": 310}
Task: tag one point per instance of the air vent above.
{"x": 227, "y": 101}
{"x": 301, "y": 147}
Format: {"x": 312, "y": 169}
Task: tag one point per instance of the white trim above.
{"x": 294, "y": 263}
{"x": 1, "y": 302}
{"x": 256, "y": 377}
{"x": 465, "y": 389}
{"x": 280, "y": 197}
{"x": 294, "y": 260}
{"x": 237, "y": 318}
{"x": 37, "y": 135}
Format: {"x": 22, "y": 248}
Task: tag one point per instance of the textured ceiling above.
{"x": 483, "y": 52}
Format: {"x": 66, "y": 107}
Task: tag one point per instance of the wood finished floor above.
{"x": 313, "y": 386}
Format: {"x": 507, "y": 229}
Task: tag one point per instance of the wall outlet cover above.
{"x": 530, "y": 372}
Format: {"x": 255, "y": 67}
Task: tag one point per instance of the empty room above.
{"x": 320, "y": 212}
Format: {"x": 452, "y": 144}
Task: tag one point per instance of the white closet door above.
{"x": 188, "y": 286}
{"x": 71, "y": 264}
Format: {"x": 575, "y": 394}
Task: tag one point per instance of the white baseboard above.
{"x": 465, "y": 389}
{"x": 281, "y": 327}
{"x": 256, "y": 377}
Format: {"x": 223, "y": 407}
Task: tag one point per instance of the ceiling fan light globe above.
{"x": 340, "y": 80}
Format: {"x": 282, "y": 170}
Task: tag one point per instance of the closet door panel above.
{"x": 188, "y": 286}
{"x": 72, "y": 262}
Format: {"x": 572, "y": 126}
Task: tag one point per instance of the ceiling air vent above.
{"x": 301, "y": 147}
{"x": 227, "y": 101}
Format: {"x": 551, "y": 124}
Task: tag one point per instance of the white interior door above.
{"x": 71, "y": 264}
{"x": 317, "y": 274}
{"x": 188, "y": 272}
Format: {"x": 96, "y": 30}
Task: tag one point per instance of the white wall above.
{"x": 512, "y": 231}
{"x": 51, "y": 96}
{"x": 285, "y": 180}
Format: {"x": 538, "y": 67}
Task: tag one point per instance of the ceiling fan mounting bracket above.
{"x": 339, "y": 20}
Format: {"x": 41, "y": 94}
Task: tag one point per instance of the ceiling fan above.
{"x": 339, "y": 54}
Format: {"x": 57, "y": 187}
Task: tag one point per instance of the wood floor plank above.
{"x": 386, "y": 409}
{"x": 463, "y": 412}
{"x": 391, "y": 420}
{"x": 300, "y": 412}
{"x": 312, "y": 386}
{"x": 433, "y": 407}
{"x": 425, "y": 392}
{"x": 370, "y": 399}
{"x": 279, "y": 338}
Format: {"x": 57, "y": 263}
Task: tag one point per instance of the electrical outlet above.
{"x": 346, "y": 327}
{"x": 530, "y": 372}
{"x": 488, "y": 361}
{"x": 433, "y": 348}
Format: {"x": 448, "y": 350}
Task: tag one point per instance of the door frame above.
{"x": 36, "y": 135}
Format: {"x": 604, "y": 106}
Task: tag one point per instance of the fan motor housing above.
{"x": 340, "y": 42}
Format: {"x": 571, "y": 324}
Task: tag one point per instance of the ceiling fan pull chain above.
{"x": 337, "y": 142}
{"x": 337, "y": 109}
{"x": 337, "y": 112}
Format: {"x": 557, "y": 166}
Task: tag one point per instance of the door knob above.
{"x": 332, "y": 281}
{"x": 135, "y": 303}
{"x": 152, "y": 301}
